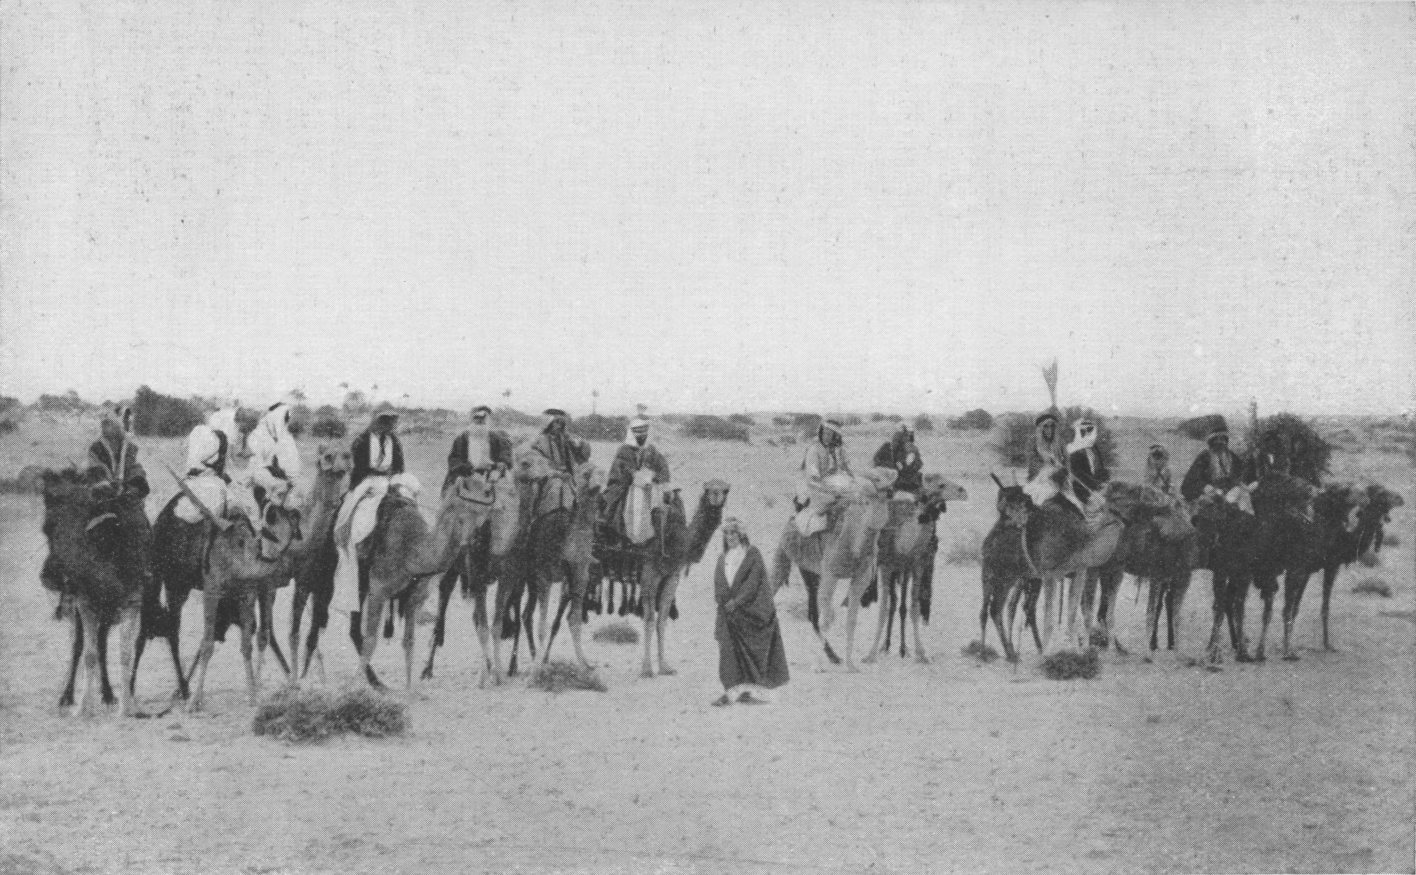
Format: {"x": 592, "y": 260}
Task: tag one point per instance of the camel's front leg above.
{"x": 650, "y": 614}
{"x": 920, "y": 656}
{"x": 129, "y": 628}
{"x": 857, "y": 588}
{"x": 485, "y": 640}
{"x": 1049, "y": 595}
{"x": 885, "y": 596}
{"x": 1329, "y": 578}
{"x": 664, "y": 602}
{"x": 76, "y": 654}
{"x": 1267, "y": 594}
{"x": 373, "y": 617}
{"x": 1078, "y": 632}
{"x": 1220, "y": 610}
{"x": 211, "y": 599}
{"x": 577, "y": 612}
{"x": 1294, "y": 583}
{"x": 248, "y": 632}
{"x": 89, "y": 622}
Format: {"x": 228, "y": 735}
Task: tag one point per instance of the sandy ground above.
{"x": 950, "y": 766}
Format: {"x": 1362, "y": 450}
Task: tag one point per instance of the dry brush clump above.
{"x": 967, "y": 549}
{"x": 161, "y": 415}
{"x": 1071, "y": 665}
{"x": 557, "y": 676}
{"x": 1307, "y": 452}
{"x": 1373, "y": 586}
{"x": 714, "y": 428}
{"x": 978, "y": 650}
{"x": 619, "y": 632}
{"x": 314, "y": 715}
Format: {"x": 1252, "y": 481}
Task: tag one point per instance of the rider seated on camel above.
{"x": 900, "y": 455}
{"x": 1218, "y": 470}
{"x": 637, "y": 468}
{"x": 378, "y": 467}
{"x": 119, "y": 486}
{"x": 479, "y": 448}
{"x": 205, "y": 476}
{"x": 1047, "y": 462}
{"x": 825, "y": 474}
{"x": 275, "y": 460}
{"x": 1088, "y": 472}
{"x": 559, "y": 453}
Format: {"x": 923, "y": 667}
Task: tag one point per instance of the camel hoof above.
{"x": 1147, "y": 659}
{"x": 1259, "y": 657}
{"x": 666, "y": 671}
{"x": 1290, "y": 657}
{"x": 1241, "y": 656}
{"x": 1329, "y": 648}
{"x": 646, "y": 672}
{"x": 869, "y": 659}
{"x": 921, "y": 659}
{"x": 427, "y": 674}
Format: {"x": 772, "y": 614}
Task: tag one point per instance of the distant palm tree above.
{"x": 595, "y": 401}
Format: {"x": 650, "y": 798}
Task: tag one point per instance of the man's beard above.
{"x": 641, "y": 440}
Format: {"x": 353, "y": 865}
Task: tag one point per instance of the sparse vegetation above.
{"x": 161, "y": 415}
{"x": 69, "y": 403}
{"x": 328, "y": 424}
{"x": 314, "y": 715}
{"x": 714, "y": 428}
{"x": 1307, "y": 452}
{"x": 1071, "y": 665}
{"x": 1390, "y": 539}
{"x": 1369, "y": 560}
{"x": 923, "y": 423}
{"x": 557, "y": 676}
{"x": 618, "y": 632}
{"x": 510, "y": 417}
{"x": 967, "y": 549}
{"x": 978, "y": 650}
{"x": 975, "y": 420}
{"x": 742, "y": 419}
{"x": 598, "y": 427}
{"x": 1373, "y": 586}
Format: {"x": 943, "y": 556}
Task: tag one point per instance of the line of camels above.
{"x": 882, "y": 544}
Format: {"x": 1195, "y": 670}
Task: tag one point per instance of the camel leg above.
{"x": 413, "y": 604}
{"x": 104, "y": 686}
{"x": 544, "y": 609}
{"x": 1049, "y": 594}
{"x": 249, "y": 630}
{"x": 485, "y": 640}
{"x": 1078, "y": 634}
{"x": 1267, "y": 593}
{"x": 1294, "y": 583}
{"x": 210, "y": 602}
{"x": 446, "y": 584}
{"x": 1179, "y": 584}
{"x": 857, "y": 588}
{"x": 650, "y": 614}
{"x": 908, "y": 598}
{"x": 76, "y": 653}
{"x": 1111, "y": 591}
{"x": 1238, "y": 597}
{"x": 297, "y": 610}
{"x": 995, "y": 607}
{"x": 1220, "y": 610}
{"x": 664, "y": 602}
{"x": 1153, "y": 604}
{"x": 885, "y": 587}
{"x": 577, "y": 582}
{"x": 920, "y": 656}
{"x": 129, "y": 633}
{"x": 1329, "y": 578}
{"x": 90, "y": 646}
{"x": 372, "y": 618}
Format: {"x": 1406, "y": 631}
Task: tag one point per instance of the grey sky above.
{"x": 719, "y": 206}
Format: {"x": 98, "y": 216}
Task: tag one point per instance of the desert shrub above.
{"x": 8, "y": 424}
{"x": 1196, "y": 428}
{"x": 1308, "y": 454}
{"x": 163, "y": 415}
{"x": 1373, "y": 586}
{"x": 9, "y": 405}
{"x": 510, "y": 417}
{"x": 1070, "y": 665}
{"x": 781, "y": 421}
{"x": 975, "y": 420}
{"x": 11, "y": 412}
{"x": 742, "y": 419}
{"x": 806, "y": 422}
{"x": 30, "y": 479}
{"x": 301, "y": 418}
{"x": 619, "y": 632}
{"x": 558, "y": 675}
{"x": 1369, "y": 560}
{"x": 328, "y": 424}
{"x": 846, "y": 419}
{"x": 885, "y": 417}
{"x": 978, "y": 650}
{"x": 247, "y": 418}
{"x": 598, "y": 427}
{"x": 714, "y": 428}
{"x": 314, "y": 715}
{"x": 877, "y": 417}
{"x": 923, "y": 423}
{"x": 1391, "y": 539}
{"x": 68, "y": 403}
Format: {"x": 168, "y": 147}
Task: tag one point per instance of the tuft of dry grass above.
{"x": 314, "y": 715}
{"x": 1369, "y": 560}
{"x": 558, "y": 675}
{"x": 1071, "y": 665}
{"x": 1373, "y": 586}
{"x": 619, "y": 632}
{"x": 979, "y": 650}
{"x": 1390, "y": 539}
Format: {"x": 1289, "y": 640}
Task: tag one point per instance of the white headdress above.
{"x": 203, "y": 448}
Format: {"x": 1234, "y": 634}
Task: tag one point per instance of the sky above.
{"x": 716, "y": 206}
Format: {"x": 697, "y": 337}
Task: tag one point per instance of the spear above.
{"x": 221, "y": 525}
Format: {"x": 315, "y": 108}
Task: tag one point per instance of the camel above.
{"x": 1227, "y": 538}
{"x": 85, "y": 540}
{"x": 1163, "y": 552}
{"x": 1058, "y": 547}
{"x": 1004, "y": 567}
{"x": 557, "y": 547}
{"x": 179, "y": 549}
{"x": 1347, "y": 543}
{"x": 847, "y": 548}
{"x": 238, "y": 572}
{"x": 404, "y": 553}
{"x": 676, "y": 546}
{"x": 477, "y": 565}
{"x": 905, "y": 560}
{"x": 315, "y": 561}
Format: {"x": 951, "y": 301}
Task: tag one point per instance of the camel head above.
{"x": 937, "y": 492}
{"x": 715, "y": 493}
{"x": 280, "y": 530}
{"x": 333, "y": 460}
{"x": 1013, "y": 504}
{"x": 1373, "y": 516}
